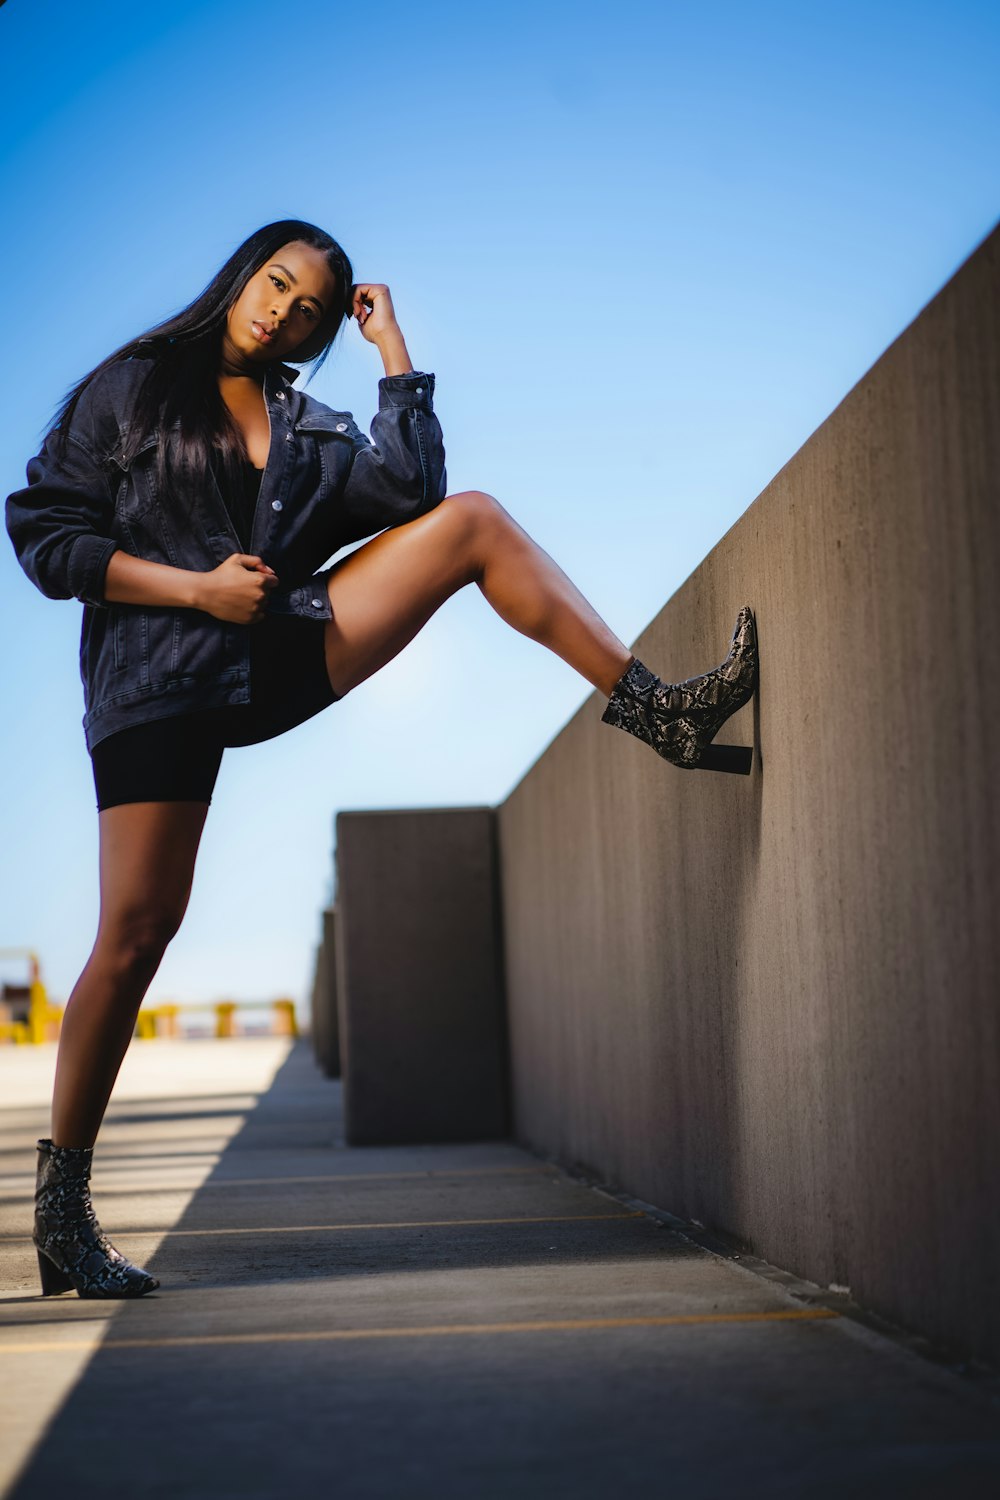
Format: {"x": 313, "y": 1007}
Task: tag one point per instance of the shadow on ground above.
{"x": 459, "y": 1321}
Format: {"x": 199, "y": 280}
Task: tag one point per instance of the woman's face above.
{"x": 280, "y": 307}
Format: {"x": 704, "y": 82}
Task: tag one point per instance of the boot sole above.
{"x": 737, "y": 760}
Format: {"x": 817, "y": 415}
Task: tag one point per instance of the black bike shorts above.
{"x": 177, "y": 759}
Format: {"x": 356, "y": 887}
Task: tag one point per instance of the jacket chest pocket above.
{"x": 152, "y": 529}
{"x": 138, "y": 491}
{"x": 330, "y": 438}
{"x": 135, "y": 479}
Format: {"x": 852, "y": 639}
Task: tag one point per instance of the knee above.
{"x": 134, "y": 941}
{"x": 474, "y": 513}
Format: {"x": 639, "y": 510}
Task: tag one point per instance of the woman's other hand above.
{"x": 237, "y": 589}
{"x": 374, "y": 311}
{"x": 372, "y": 306}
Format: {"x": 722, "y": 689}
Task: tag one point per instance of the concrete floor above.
{"x": 441, "y": 1321}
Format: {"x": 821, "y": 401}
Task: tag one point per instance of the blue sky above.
{"x": 645, "y": 249}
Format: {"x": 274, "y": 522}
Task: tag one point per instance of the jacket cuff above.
{"x": 412, "y": 389}
{"x": 309, "y": 601}
{"x": 88, "y": 563}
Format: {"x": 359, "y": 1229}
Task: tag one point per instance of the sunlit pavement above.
{"x": 439, "y": 1321}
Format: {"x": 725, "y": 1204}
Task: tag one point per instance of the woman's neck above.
{"x": 229, "y": 372}
{"x": 235, "y": 366}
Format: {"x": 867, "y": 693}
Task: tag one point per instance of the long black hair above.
{"x": 182, "y": 383}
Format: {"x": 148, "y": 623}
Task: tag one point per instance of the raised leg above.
{"x": 386, "y": 591}
{"x": 147, "y": 858}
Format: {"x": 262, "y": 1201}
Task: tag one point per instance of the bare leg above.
{"x": 147, "y": 860}
{"x": 384, "y": 593}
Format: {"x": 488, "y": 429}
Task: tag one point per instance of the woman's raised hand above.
{"x": 374, "y": 311}
{"x": 237, "y": 589}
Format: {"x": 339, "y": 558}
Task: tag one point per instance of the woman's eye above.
{"x": 309, "y": 312}
{"x": 277, "y": 281}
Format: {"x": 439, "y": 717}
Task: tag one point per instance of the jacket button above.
{"x": 276, "y": 505}
{"x": 317, "y": 604}
{"x": 418, "y": 390}
{"x": 281, "y": 395}
{"x": 288, "y": 437}
{"x": 341, "y": 426}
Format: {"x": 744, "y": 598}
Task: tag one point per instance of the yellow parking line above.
{"x": 25, "y": 1183}
{"x": 443, "y": 1330}
{"x": 431, "y": 1174}
{"x": 139, "y": 1234}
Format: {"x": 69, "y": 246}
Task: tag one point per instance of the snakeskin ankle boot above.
{"x": 72, "y": 1249}
{"x": 679, "y": 719}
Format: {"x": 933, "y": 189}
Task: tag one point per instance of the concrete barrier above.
{"x": 771, "y": 1004}
{"x": 422, "y": 1036}
{"x": 324, "y": 1025}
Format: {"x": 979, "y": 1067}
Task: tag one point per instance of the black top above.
{"x": 243, "y": 502}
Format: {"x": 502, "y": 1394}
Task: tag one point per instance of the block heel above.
{"x": 737, "y": 759}
{"x": 53, "y": 1279}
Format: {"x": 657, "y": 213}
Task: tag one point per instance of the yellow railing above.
{"x": 161, "y": 1020}
{"x": 43, "y": 1017}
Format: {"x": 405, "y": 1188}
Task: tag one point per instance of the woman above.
{"x": 187, "y": 494}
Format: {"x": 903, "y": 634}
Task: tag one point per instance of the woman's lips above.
{"x": 260, "y": 333}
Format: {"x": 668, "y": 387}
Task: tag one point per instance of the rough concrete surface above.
{"x": 771, "y": 1003}
{"x": 456, "y": 1322}
{"x": 418, "y": 984}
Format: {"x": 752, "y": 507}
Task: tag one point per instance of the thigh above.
{"x": 147, "y": 859}
{"x": 173, "y": 759}
{"x": 386, "y": 591}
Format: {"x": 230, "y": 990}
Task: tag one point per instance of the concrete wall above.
{"x": 324, "y": 1026}
{"x": 771, "y": 1003}
{"x": 419, "y": 986}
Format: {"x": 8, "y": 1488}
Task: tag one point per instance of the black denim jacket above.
{"x": 325, "y": 485}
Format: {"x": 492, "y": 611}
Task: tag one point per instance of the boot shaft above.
{"x": 62, "y": 1184}
{"x": 63, "y": 1169}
